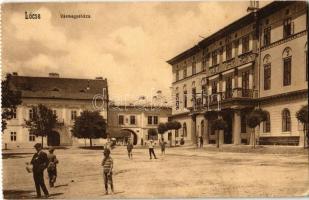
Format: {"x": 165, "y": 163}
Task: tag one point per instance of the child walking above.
{"x": 107, "y": 164}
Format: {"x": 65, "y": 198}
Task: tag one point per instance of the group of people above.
{"x": 41, "y": 161}
{"x": 151, "y": 144}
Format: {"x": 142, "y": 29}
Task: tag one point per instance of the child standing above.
{"x": 52, "y": 167}
{"x": 107, "y": 164}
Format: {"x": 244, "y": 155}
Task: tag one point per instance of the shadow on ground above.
{"x": 14, "y": 155}
{"x": 23, "y": 194}
{"x": 93, "y": 148}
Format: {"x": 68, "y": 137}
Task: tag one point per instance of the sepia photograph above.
{"x": 154, "y": 99}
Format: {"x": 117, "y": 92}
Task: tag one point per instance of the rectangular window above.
{"x": 245, "y": 84}
{"x": 177, "y": 101}
{"x": 214, "y": 58}
{"x": 13, "y": 137}
{"x": 243, "y": 124}
{"x": 245, "y": 44}
{"x": 31, "y": 137}
{"x": 267, "y": 36}
{"x": 193, "y": 68}
{"x": 185, "y": 99}
{"x": 228, "y": 51}
{"x": 73, "y": 114}
{"x": 55, "y": 112}
{"x": 177, "y": 75}
{"x": 149, "y": 119}
{"x": 14, "y": 112}
{"x": 267, "y": 76}
{"x": 155, "y": 119}
{"x": 176, "y": 133}
{"x": 121, "y": 120}
{"x": 132, "y": 119}
{"x": 287, "y": 71}
{"x": 228, "y": 86}
{"x": 287, "y": 27}
{"x": 185, "y": 73}
{"x": 31, "y": 113}
{"x": 204, "y": 64}
{"x": 214, "y": 87}
{"x": 194, "y": 96}
{"x": 236, "y": 44}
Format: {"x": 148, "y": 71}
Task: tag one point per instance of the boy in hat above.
{"x": 52, "y": 167}
{"x": 39, "y": 162}
{"x": 107, "y": 164}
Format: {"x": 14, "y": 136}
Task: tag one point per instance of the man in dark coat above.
{"x": 39, "y": 162}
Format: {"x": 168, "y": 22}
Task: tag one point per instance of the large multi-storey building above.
{"x": 67, "y": 97}
{"x": 260, "y": 60}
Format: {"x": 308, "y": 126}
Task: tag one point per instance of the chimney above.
{"x": 14, "y": 73}
{"x": 99, "y": 78}
{"x": 53, "y": 75}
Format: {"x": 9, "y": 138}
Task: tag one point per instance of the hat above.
{"x": 51, "y": 149}
{"x": 37, "y": 145}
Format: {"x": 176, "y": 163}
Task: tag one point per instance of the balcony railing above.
{"x": 206, "y": 100}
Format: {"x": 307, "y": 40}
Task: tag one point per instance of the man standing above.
{"x": 151, "y": 149}
{"x": 39, "y": 162}
{"x": 201, "y": 142}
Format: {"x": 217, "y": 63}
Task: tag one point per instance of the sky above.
{"x": 126, "y": 42}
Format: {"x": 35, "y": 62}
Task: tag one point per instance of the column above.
{"x": 236, "y": 127}
{"x": 193, "y": 129}
{"x": 206, "y": 134}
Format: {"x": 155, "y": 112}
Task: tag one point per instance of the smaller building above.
{"x": 67, "y": 97}
{"x": 136, "y": 118}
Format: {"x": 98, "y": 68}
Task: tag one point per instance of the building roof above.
{"x": 58, "y": 88}
{"x": 241, "y": 22}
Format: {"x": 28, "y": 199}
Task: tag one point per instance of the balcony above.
{"x": 222, "y": 97}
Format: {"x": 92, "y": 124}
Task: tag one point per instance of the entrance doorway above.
{"x": 228, "y": 118}
{"x": 133, "y": 136}
{"x": 53, "y": 139}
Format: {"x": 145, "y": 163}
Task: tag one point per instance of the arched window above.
{"x": 266, "y": 124}
{"x": 184, "y": 129}
{"x": 286, "y": 120}
{"x": 267, "y": 72}
{"x": 202, "y": 128}
{"x": 287, "y": 66}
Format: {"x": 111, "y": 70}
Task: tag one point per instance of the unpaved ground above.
{"x": 182, "y": 172}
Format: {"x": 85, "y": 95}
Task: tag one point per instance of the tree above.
{"x": 152, "y": 132}
{"x": 219, "y": 125}
{"x": 302, "y": 116}
{"x": 42, "y": 121}
{"x": 162, "y": 128}
{"x": 254, "y": 119}
{"x": 10, "y": 100}
{"x": 89, "y": 125}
